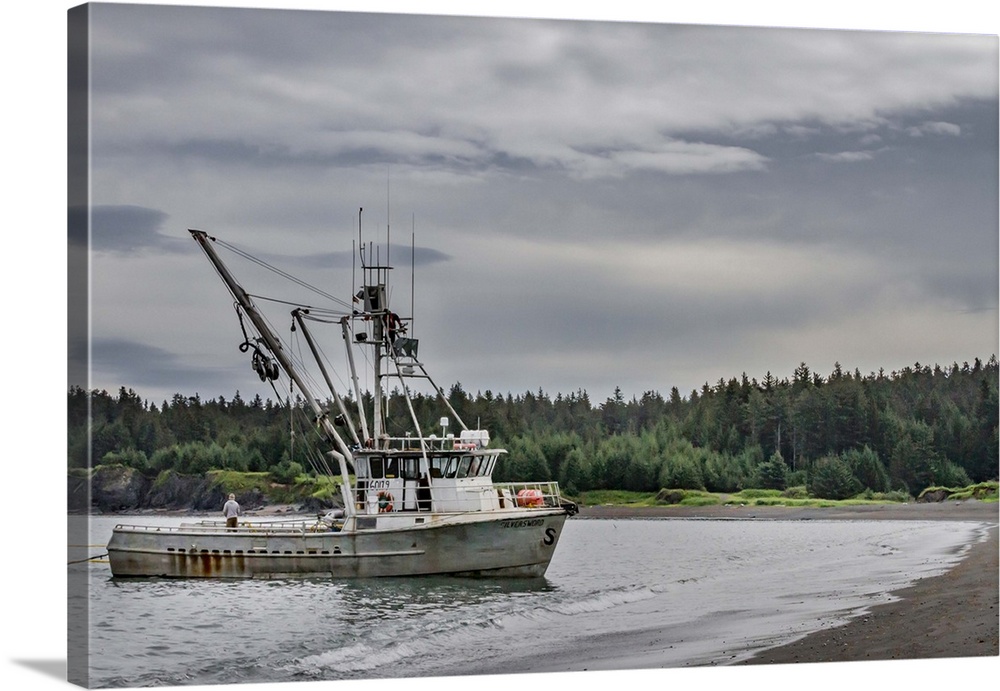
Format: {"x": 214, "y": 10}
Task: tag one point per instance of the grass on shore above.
{"x": 791, "y": 497}
{"x": 305, "y": 486}
{"x": 983, "y": 491}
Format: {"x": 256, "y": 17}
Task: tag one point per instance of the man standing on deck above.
{"x": 231, "y": 511}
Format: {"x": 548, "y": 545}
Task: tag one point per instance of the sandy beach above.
{"x": 948, "y": 616}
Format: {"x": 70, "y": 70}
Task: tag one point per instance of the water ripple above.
{"x": 608, "y": 579}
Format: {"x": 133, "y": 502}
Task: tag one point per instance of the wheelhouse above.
{"x": 437, "y": 480}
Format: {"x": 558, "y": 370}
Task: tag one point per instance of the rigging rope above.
{"x": 265, "y": 365}
{"x": 308, "y": 308}
{"x": 307, "y": 426}
{"x": 282, "y": 273}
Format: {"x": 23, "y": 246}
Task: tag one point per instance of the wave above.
{"x": 434, "y": 641}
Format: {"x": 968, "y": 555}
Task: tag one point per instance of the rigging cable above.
{"x": 315, "y": 458}
{"x": 322, "y": 310}
{"x": 282, "y": 273}
{"x": 266, "y": 365}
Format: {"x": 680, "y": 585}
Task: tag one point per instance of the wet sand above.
{"x": 948, "y": 616}
{"x": 949, "y": 511}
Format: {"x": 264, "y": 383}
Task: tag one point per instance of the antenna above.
{"x": 387, "y": 216}
{"x": 413, "y": 264}
{"x": 354, "y": 256}
{"x": 361, "y": 244}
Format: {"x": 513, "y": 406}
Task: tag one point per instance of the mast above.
{"x": 274, "y": 346}
{"x": 379, "y": 336}
{"x": 374, "y": 276}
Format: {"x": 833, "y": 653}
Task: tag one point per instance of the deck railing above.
{"x": 531, "y": 494}
{"x": 509, "y": 495}
{"x": 290, "y": 526}
{"x": 433, "y": 442}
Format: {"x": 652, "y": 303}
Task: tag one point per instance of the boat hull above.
{"x": 516, "y": 545}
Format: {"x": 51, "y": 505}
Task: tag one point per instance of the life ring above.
{"x": 384, "y": 502}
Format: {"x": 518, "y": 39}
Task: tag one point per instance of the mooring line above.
{"x": 80, "y": 561}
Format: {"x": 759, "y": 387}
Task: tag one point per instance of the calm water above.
{"x": 618, "y": 594}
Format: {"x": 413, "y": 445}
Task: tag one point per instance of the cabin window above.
{"x": 437, "y": 466}
{"x": 391, "y": 468}
{"x": 409, "y": 468}
{"x": 478, "y": 465}
{"x": 376, "y": 468}
{"x": 463, "y": 466}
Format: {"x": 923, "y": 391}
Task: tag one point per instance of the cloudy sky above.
{"x": 594, "y": 204}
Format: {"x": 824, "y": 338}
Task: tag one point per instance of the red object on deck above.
{"x": 530, "y": 497}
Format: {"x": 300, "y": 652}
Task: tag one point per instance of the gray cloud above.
{"x": 149, "y": 368}
{"x": 939, "y": 128}
{"x": 401, "y": 256}
{"x": 124, "y": 229}
{"x": 847, "y": 156}
{"x": 605, "y": 201}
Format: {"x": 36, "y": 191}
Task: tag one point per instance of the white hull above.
{"x": 513, "y": 543}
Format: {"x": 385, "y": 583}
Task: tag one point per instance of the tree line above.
{"x": 839, "y": 435}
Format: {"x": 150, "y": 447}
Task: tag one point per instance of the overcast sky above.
{"x": 595, "y": 204}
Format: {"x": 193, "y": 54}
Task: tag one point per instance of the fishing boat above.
{"x": 413, "y": 502}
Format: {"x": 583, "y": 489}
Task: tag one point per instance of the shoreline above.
{"x": 951, "y": 615}
{"x": 967, "y": 510}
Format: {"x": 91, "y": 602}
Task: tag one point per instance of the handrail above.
{"x": 432, "y": 442}
{"x": 545, "y": 497}
{"x": 220, "y": 526}
{"x": 548, "y": 493}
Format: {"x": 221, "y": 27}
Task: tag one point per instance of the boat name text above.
{"x": 522, "y": 523}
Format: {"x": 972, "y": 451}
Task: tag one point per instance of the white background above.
{"x": 34, "y": 400}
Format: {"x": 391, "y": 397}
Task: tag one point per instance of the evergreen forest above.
{"x": 840, "y": 435}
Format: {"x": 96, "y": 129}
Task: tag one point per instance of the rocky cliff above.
{"x": 115, "y": 488}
